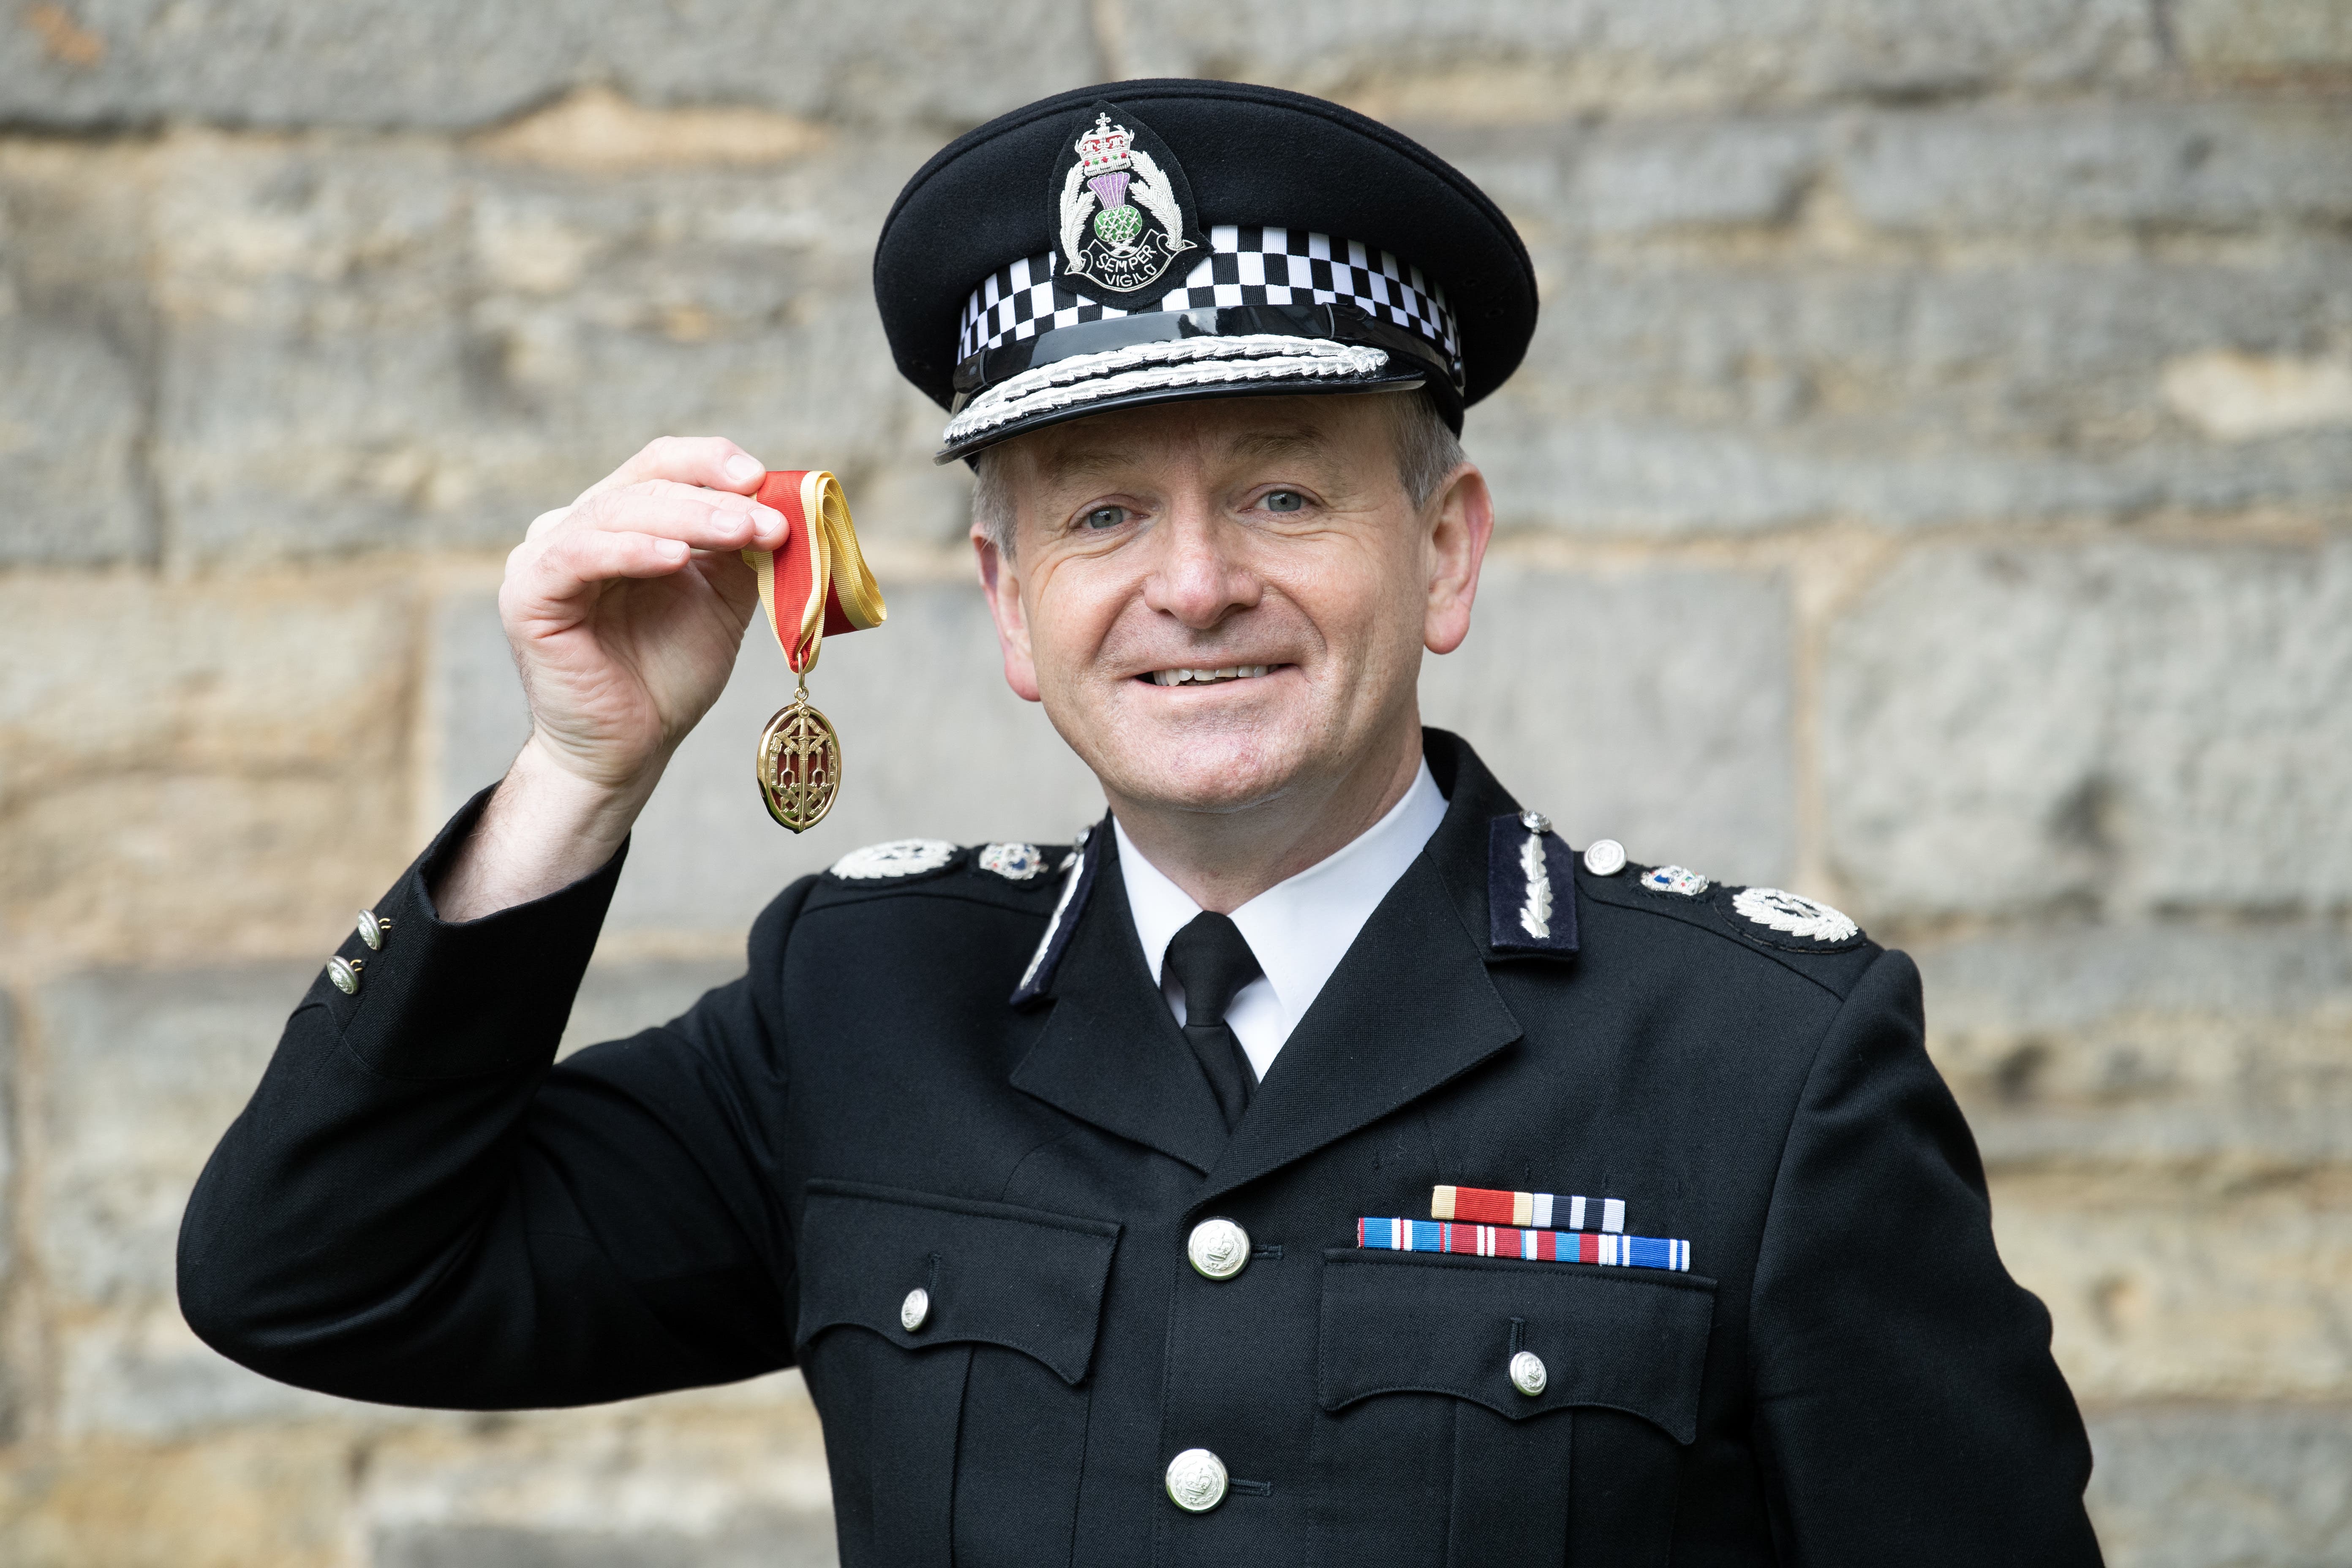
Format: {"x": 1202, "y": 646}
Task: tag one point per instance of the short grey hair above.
{"x": 1427, "y": 450}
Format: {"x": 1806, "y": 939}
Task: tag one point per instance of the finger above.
{"x": 708, "y": 520}
{"x": 572, "y": 562}
{"x": 709, "y": 460}
{"x": 549, "y": 518}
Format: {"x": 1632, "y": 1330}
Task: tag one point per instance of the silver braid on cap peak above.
{"x": 1156, "y": 367}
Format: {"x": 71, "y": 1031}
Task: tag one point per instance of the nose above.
{"x": 1201, "y": 576}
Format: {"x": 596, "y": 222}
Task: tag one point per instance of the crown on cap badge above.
{"x": 1104, "y": 149}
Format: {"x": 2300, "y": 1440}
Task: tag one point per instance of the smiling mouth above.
{"x": 1207, "y": 677}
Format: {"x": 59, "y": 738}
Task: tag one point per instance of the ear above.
{"x": 1001, "y": 582}
{"x": 1461, "y": 522}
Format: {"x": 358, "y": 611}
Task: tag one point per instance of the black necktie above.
{"x": 1212, "y": 962}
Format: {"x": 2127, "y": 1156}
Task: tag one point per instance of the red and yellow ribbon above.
{"x": 819, "y": 580}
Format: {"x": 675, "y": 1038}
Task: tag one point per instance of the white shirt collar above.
{"x": 1299, "y": 929}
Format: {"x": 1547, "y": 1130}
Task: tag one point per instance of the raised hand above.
{"x": 625, "y": 611}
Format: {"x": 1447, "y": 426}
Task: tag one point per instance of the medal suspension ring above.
{"x": 799, "y": 764}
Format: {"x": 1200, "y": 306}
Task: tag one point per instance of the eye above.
{"x": 1104, "y": 517}
{"x": 1283, "y": 501}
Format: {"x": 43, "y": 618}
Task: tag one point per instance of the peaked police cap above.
{"x": 1146, "y": 241}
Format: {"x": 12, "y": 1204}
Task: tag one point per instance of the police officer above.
{"x": 1317, "y": 1160}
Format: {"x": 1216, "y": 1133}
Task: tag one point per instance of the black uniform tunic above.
{"x": 417, "y": 1208}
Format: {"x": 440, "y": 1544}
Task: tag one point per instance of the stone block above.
{"x": 76, "y": 337}
{"x": 445, "y": 63}
{"x": 2254, "y": 1486}
{"x": 2111, "y": 728}
{"x": 141, "y": 1373}
{"x": 1691, "y": 394}
{"x": 757, "y": 1542}
{"x": 70, "y": 418}
{"x": 2235, "y": 396}
{"x": 2211, "y": 1045}
{"x": 1531, "y": 59}
{"x": 2188, "y": 1285}
{"x": 711, "y": 1479}
{"x": 103, "y": 675}
{"x": 240, "y": 1499}
{"x": 1650, "y": 706}
{"x": 2000, "y": 168}
{"x": 934, "y": 746}
{"x": 144, "y": 1071}
{"x": 618, "y": 999}
{"x": 2263, "y": 39}
{"x": 1664, "y": 478}
{"x": 1691, "y": 173}
{"x": 389, "y": 346}
{"x": 203, "y": 767}
{"x": 10, "y": 1104}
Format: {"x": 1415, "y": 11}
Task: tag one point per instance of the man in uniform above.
{"x": 1317, "y": 1161}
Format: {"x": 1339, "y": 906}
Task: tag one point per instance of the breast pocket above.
{"x": 1451, "y": 1390}
{"x": 933, "y": 1330}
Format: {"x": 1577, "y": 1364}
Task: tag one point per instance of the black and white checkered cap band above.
{"x": 1246, "y": 264}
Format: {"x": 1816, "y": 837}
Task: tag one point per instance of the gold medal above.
{"x": 799, "y": 764}
{"x": 817, "y": 582}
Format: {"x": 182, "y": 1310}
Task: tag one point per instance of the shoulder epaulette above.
{"x": 1782, "y": 924}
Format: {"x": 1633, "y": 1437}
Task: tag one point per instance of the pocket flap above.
{"x": 1630, "y": 1339}
{"x": 1024, "y": 1278}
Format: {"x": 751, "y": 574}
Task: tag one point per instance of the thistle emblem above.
{"x": 1122, "y": 211}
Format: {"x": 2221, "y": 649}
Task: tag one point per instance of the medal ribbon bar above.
{"x": 1537, "y": 1246}
{"x": 1490, "y": 1206}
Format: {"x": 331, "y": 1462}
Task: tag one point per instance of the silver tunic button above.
{"x": 345, "y": 973}
{"x": 1196, "y": 1480}
{"x": 1604, "y": 856}
{"x": 372, "y": 930}
{"x": 1527, "y": 1374}
{"x": 1219, "y": 1249}
{"x": 915, "y": 1310}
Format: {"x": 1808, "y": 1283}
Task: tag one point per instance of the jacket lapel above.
{"x": 1409, "y": 1009}
{"x": 1110, "y": 1052}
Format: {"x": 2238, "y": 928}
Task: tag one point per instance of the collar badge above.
{"x": 1013, "y": 862}
{"x": 1679, "y": 879}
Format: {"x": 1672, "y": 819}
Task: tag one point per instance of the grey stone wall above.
{"x": 1930, "y": 489}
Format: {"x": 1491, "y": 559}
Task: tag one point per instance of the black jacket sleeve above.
{"x": 1907, "y": 1406}
{"x": 416, "y": 1208}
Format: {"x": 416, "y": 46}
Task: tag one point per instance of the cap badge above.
{"x": 1124, "y": 214}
